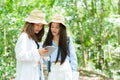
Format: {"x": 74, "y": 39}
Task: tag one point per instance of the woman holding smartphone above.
{"x": 28, "y": 53}
{"x": 63, "y": 60}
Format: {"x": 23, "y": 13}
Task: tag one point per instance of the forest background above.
{"x": 93, "y": 24}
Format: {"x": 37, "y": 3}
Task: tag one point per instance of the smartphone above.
{"x": 50, "y": 49}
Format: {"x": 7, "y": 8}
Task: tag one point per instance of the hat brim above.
{"x": 36, "y": 21}
{"x": 57, "y": 22}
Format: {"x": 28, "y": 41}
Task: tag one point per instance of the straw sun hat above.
{"x": 36, "y": 16}
{"x": 58, "y": 19}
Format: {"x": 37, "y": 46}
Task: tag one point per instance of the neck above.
{"x": 56, "y": 39}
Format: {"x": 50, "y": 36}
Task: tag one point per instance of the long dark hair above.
{"x": 62, "y": 46}
{"x": 29, "y": 29}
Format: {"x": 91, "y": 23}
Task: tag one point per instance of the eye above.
{"x": 41, "y": 24}
{"x": 57, "y": 27}
{"x": 52, "y": 26}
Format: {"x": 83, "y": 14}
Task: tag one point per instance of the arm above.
{"x": 24, "y": 49}
{"x": 72, "y": 56}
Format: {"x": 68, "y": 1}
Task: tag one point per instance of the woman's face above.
{"x": 38, "y": 27}
{"x": 55, "y": 28}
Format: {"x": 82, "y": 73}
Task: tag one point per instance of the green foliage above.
{"x": 85, "y": 20}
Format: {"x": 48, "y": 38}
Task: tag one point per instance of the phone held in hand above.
{"x": 50, "y": 49}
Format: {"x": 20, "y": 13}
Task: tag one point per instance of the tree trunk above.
{"x": 83, "y": 45}
{"x": 118, "y": 27}
{"x": 5, "y": 41}
{"x": 119, "y": 7}
{"x": 84, "y": 56}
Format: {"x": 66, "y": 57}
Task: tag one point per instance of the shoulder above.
{"x": 69, "y": 38}
{"x": 23, "y": 35}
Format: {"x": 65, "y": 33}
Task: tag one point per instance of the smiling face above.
{"x": 55, "y": 28}
{"x": 38, "y": 27}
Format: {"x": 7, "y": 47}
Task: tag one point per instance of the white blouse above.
{"x": 28, "y": 58}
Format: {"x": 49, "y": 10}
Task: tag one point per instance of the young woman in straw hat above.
{"x": 28, "y": 53}
{"x": 63, "y": 60}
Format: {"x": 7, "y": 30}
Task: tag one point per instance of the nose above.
{"x": 40, "y": 27}
{"x": 54, "y": 29}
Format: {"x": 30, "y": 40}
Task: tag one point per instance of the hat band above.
{"x": 37, "y": 17}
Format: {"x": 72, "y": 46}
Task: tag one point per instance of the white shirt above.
{"x": 27, "y": 56}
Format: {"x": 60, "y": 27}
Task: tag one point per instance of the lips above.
{"x": 54, "y": 32}
{"x": 37, "y": 31}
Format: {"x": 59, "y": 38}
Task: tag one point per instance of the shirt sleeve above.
{"x": 72, "y": 56}
{"x": 24, "y": 50}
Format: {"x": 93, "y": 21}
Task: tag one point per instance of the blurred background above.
{"x": 94, "y": 26}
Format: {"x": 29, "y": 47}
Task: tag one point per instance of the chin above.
{"x": 36, "y": 32}
{"x": 55, "y": 35}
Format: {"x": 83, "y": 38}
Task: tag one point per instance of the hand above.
{"x": 43, "y": 51}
